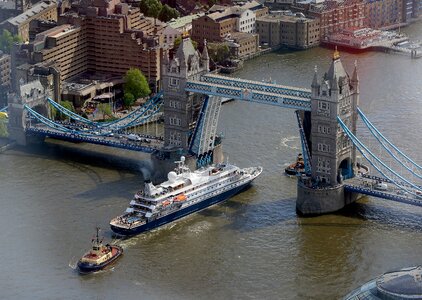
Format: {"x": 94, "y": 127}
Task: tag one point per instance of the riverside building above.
{"x": 105, "y": 37}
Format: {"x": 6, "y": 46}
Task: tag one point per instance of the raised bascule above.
{"x": 327, "y": 116}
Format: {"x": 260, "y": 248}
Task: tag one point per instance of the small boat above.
{"x": 296, "y": 168}
{"x": 99, "y": 256}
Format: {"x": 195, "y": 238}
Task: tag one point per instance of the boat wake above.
{"x": 200, "y": 227}
{"x": 73, "y": 263}
{"x": 291, "y": 142}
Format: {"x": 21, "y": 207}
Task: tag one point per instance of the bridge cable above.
{"x": 365, "y": 119}
{"x": 358, "y": 143}
{"x": 389, "y": 150}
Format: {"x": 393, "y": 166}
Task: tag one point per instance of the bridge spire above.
{"x": 336, "y": 54}
{"x": 315, "y": 80}
{"x": 205, "y": 57}
{"x": 354, "y": 81}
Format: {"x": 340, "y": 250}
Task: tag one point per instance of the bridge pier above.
{"x": 315, "y": 201}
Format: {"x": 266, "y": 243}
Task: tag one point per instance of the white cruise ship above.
{"x": 183, "y": 193}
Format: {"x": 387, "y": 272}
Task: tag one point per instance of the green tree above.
{"x": 7, "y": 40}
{"x": 167, "y": 13}
{"x": 150, "y": 8}
{"x": 178, "y": 41}
{"x": 128, "y": 99}
{"x": 136, "y": 84}
{"x": 105, "y": 109}
{"x": 219, "y": 52}
{"x": 68, "y": 105}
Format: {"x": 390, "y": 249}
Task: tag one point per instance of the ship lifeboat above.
{"x": 166, "y": 203}
{"x": 180, "y": 198}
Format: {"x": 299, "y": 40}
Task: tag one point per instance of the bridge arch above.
{"x": 345, "y": 170}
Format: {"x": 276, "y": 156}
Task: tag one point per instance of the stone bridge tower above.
{"x": 181, "y": 109}
{"x": 333, "y": 155}
{"x": 32, "y": 94}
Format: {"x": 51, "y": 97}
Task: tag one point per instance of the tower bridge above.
{"x": 327, "y": 115}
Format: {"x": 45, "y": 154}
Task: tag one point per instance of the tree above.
{"x": 68, "y": 105}
{"x": 167, "y": 13}
{"x": 7, "y": 40}
{"x": 219, "y": 52}
{"x": 128, "y": 99}
{"x": 150, "y": 8}
{"x": 136, "y": 84}
{"x": 105, "y": 109}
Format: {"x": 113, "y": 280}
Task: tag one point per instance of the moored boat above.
{"x": 184, "y": 192}
{"x": 99, "y": 256}
{"x": 297, "y": 167}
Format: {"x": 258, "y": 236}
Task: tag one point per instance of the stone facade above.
{"x": 32, "y": 94}
{"x": 333, "y": 155}
{"x": 181, "y": 108}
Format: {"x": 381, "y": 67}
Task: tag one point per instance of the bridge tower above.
{"x": 333, "y": 155}
{"x": 33, "y": 94}
{"x": 181, "y": 108}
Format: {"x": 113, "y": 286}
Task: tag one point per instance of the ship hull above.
{"x": 180, "y": 213}
{"x": 86, "y": 268}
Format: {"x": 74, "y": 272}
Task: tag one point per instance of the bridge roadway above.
{"x": 146, "y": 144}
{"x": 257, "y": 85}
{"x": 367, "y": 185}
{"x": 251, "y": 91}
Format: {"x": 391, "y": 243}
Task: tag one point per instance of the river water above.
{"x": 253, "y": 246}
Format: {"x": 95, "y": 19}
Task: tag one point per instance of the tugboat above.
{"x": 99, "y": 256}
{"x": 296, "y": 168}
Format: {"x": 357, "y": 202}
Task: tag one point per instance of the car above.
{"x": 382, "y": 186}
{"x": 134, "y": 137}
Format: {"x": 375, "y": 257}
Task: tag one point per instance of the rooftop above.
{"x": 183, "y": 21}
{"x": 7, "y": 4}
{"x": 36, "y": 9}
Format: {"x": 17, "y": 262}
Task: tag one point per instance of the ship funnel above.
{"x": 149, "y": 188}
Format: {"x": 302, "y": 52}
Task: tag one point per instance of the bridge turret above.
{"x": 315, "y": 84}
{"x": 355, "y": 78}
{"x": 205, "y": 59}
{"x": 333, "y": 155}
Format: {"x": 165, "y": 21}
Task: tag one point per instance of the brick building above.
{"x": 220, "y": 21}
{"x": 335, "y": 15}
{"x": 292, "y": 30}
{"x": 243, "y": 44}
{"x": 108, "y": 38}
{"x": 383, "y": 13}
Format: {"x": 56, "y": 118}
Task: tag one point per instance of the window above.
{"x": 323, "y": 147}
{"x": 174, "y": 82}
